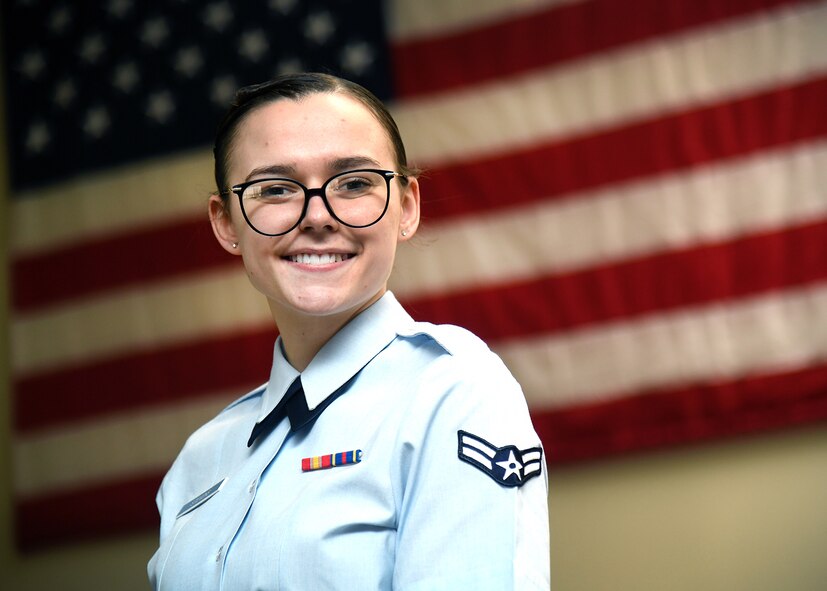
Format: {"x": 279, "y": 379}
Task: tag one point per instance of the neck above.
{"x": 302, "y": 340}
{"x": 304, "y": 336}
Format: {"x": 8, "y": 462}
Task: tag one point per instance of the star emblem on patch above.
{"x": 508, "y": 465}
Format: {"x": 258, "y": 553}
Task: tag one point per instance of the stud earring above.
{"x": 404, "y": 232}
{"x": 235, "y": 244}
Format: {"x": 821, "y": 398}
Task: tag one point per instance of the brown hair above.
{"x": 295, "y": 87}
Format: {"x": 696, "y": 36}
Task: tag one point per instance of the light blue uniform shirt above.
{"x": 440, "y": 499}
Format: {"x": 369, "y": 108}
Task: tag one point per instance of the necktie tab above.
{"x": 275, "y": 416}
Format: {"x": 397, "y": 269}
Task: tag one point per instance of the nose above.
{"x": 317, "y": 215}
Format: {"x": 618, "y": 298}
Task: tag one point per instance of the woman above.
{"x": 382, "y": 453}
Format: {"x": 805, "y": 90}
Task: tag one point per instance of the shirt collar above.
{"x": 350, "y": 349}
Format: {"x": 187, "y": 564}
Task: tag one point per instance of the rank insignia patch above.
{"x": 509, "y": 465}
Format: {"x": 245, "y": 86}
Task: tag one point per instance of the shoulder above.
{"x": 461, "y": 353}
{"x": 453, "y": 339}
{"x": 466, "y": 383}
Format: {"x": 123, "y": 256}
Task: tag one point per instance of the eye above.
{"x": 277, "y": 190}
{"x": 355, "y": 185}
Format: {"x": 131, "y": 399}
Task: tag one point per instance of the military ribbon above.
{"x": 331, "y": 460}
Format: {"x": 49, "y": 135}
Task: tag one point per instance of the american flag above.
{"x": 626, "y": 200}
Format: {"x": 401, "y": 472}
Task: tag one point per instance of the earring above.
{"x": 404, "y": 232}
{"x": 235, "y": 244}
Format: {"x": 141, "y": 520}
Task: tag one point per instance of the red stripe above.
{"x": 543, "y": 39}
{"x": 133, "y": 258}
{"x": 680, "y": 141}
{"x": 696, "y": 413}
{"x": 86, "y": 513}
{"x": 660, "y": 282}
{"x": 143, "y": 379}
{"x": 545, "y": 305}
{"x": 664, "y": 418}
{"x": 637, "y": 150}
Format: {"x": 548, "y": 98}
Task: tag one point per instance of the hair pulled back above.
{"x": 296, "y": 87}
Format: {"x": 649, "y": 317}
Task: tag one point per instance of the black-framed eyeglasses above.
{"x": 276, "y": 206}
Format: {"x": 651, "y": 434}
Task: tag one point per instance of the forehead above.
{"x": 316, "y": 128}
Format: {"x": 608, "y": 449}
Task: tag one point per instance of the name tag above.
{"x": 201, "y": 499}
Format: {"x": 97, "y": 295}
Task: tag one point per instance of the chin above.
{"x": 323, "y": 303}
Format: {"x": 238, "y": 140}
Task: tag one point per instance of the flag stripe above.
{"x": 157, "y": 376}
{"x": 531, "y": 176}
{"x": 775, "y": 332}
{"x": 96, "y": 509}
{"x": 81, "y": 270}
{"x": 136, "y": 320}
{"x": 716, "y": 409}
{"x": 539, "y": 39}
{"x": 767, "y": 193}
{"x": 105, "y": 204}
{"x": 40, "y": 466}
{"x": 412, "y": 20}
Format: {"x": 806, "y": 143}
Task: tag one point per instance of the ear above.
{"x": 222, "y": 225}
{"x": 409, "y": 217}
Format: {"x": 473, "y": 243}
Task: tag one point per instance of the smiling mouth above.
{"x": 318, "y": 259}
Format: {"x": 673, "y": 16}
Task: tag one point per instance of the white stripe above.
{"x": 644, "y": 80}
{"x": 150, "y": 193}
{"x": 475, "y": 455}
{"x": 486, "y": 449}
{"x": 113, "y": 447}
{"x": 770, "y": 191}
{"x": 535, "y": 467}
{"x": 667, "y": 74}
{"x": 430, "y": 18}
{"x": 138, "y": 319}
{"x": 532, "y": 456}
{"x": 775, "y": 333}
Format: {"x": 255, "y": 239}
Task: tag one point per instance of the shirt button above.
{"x": 218, "y": 556}
{"x": 252, "y": 486}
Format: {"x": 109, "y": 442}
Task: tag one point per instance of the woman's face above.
{"x": 310, "y": 140}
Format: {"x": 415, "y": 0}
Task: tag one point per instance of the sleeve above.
{"x": 472, "y": 484}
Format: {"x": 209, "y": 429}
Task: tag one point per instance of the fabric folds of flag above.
{"x": 625, "y": 200}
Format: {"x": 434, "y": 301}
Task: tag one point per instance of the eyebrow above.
{"x": 336, "y": 165}
{"x": 342, "y": 164}
{"x": 272, "y": 170}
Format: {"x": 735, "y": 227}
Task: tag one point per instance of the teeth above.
{"x": 317, "y": 259}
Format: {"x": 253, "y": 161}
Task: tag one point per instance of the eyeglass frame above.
{"x": 388, "y": 175}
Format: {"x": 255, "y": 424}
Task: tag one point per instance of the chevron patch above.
{"x": 508, "y": 465}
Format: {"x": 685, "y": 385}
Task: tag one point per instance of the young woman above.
{"x": 382, "y": 453}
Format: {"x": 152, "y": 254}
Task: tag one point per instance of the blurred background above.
{"x": 626, "y": 200}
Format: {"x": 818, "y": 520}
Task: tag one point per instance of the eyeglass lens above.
{"x": 357, "y": 198}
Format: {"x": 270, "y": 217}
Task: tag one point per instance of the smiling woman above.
{"x": 382, "y": 453}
